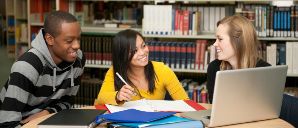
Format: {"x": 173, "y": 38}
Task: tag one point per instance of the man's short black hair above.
{"x": 53, "y": 21}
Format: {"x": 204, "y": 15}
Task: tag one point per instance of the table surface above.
{"x": 273, "y": 123}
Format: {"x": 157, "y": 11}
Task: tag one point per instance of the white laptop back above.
{"x": 245, "y": 95}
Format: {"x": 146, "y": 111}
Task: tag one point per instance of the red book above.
{"x": 177, "y": 19}
{"x": 202, "y": 54}
{"x": 197, "y": 59}
{"x": 185, "y": 25}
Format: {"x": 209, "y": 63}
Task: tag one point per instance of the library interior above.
{"x": 179, "y": 33}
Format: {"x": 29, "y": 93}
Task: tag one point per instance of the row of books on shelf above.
{"x": 87, "y": 93}
{"x": 10, "y": 23}
{"x": 21, "y": 32}
{"x": 100, "y": 12}
{"x": 11, "y": 40}
{"x": 283, "y": 54}
{"x": 97, "y": 49}
{"x": 182, "y": 20}
{"x": 178, "y": 55}
{"x": 20, "y": 9}
{"x": 188, "y": 55}
{"x": 40, "y": 8}
{"x": 272, "y": 21}
{"x": 196, "y": 92}
{"x": 182, "y": 55}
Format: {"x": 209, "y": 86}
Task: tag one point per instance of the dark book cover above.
{"x": 72, "y": 118}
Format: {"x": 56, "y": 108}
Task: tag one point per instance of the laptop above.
{"x": 244, "y": 95}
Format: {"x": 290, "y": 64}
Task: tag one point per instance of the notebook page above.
{"x": 138, "y": 104}
{"x": 170, "y": 105}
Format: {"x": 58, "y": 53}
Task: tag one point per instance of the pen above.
{"x": 120, "y": 77}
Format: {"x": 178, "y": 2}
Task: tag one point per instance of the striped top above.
{"x": 36, "y": 83}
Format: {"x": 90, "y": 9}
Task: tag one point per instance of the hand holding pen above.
{"x": 126, "y": 92}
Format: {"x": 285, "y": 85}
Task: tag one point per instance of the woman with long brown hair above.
{"x": 236, "y": 47}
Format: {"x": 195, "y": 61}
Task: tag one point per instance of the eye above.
{"x": 69, "y": 41}
{"x": 143, "y": 45}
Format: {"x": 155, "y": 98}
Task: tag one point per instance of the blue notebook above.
{"x": 167, "y": 120}
{"x": 133, "y": 116}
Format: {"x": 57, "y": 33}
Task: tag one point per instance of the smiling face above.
{"x": 223, "y": 45}
{"x": 140, "y": 57}
{"x": 64, "y": 46}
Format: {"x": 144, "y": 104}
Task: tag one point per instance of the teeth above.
{"x": 143, "y": 58}
{"x": 73, "y": 53}
{"x": 218, "y": 50}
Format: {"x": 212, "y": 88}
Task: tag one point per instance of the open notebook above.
{"x": 156, "y": 105}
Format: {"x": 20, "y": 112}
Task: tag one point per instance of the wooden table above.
{"x": 273, "y": 123}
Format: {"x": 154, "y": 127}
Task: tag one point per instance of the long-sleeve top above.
{"x": 36, "y": 83}
{"x": 166, "y": 81}
{"x": 213, "y": 67}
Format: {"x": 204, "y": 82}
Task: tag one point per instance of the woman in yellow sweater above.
{"x": 145, "y": 79}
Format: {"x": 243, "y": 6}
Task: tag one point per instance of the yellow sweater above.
{"x": 166, "y": 81}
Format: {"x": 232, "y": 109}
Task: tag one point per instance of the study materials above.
{"x": 132, "y": 115}
{"x": 154, "y": 105}
{"x": 70, "y": 118}
{"x": 183, "y": 124}
{"x": 245, "y": 95}
{"x": 163, "y": 121}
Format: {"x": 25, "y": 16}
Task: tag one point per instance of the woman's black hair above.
{"x": 123, "y": 47}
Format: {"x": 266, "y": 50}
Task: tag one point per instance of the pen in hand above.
{"x": 119, "y": 76}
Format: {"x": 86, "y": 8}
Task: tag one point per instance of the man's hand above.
{"x": 34, "y": 116}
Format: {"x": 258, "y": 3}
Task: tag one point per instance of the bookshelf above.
{"x": 102, "y": 19}
{"x": 90, "y": 26}
{"x": 17, "y": 26}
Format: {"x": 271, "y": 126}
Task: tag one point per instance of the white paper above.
{"x": 153, "y": 105}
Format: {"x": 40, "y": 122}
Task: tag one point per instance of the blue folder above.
{"x": 133, "y": 116}
{"x": 167, "y": 120}
{"x": 186, "y": 124}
